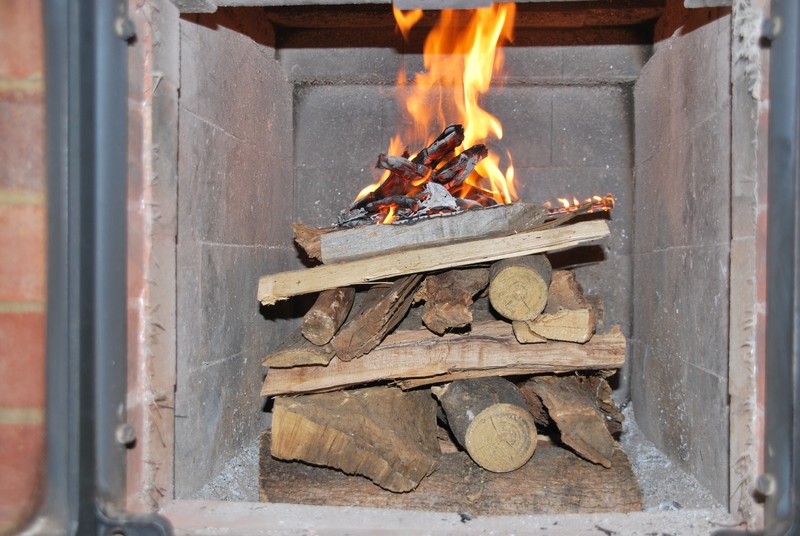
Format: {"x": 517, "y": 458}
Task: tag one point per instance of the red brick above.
{"x": 22, "y": 141}
{"x": 22, "y": 351}
{"x": 21, "y": 41}
{"x": 22, "y": 465}
{"x": 22, "y": 241}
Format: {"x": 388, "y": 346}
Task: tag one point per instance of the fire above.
{"x": 462, "y": 53}
{"x": 593, "y": 204}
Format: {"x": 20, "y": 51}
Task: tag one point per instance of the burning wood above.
{"x": 416, "y": 188}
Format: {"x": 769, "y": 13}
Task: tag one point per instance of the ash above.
{"x": 663, "y": 484}
{"x": 238, "y": 480}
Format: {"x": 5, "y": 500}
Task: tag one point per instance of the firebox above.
{"x": 245, "y": 117}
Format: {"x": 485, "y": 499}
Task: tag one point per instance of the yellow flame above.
{"x": 395, "y": 147}
{"x": 390, "y": 216}
{"x": 461, "y": 56}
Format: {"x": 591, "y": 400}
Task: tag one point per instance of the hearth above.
{"x": 246, "y": 117}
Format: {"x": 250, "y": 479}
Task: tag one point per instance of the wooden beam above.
{"x": 489, "y": 350}
{"x": 273, "y": 288}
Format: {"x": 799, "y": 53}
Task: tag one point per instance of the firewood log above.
{"x": 554, "y": 481}
{"x": 421, "y": 358}
{"x": 448, "y": 297}
{"x": 572, "y": 404}
{"x": 565, "y": 325}
{"x": 488, "y": 417}
{"x": 383, "y": 308}
{"x": 276, "y": 287}
{"x": 448, "y": 140}
{"x": 296, "y": 350}
{"x": 327, "y": 315}
{"x": 568, "y": 315}
{"x": 524, "y": 334}
{"x": 382, "y": 433}
{"x": 452, "y": 174}
{"x": 518, "y": 287}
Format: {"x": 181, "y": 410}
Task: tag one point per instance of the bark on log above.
{"x": 489, "y": 350}
{"x": 296, "y": 350}
{"x": 518, "y": 287}
{"x": 384, "y": 434}
{"x": 448, "y": 297}
{"x": 565, "y": 293}
{"x": 365, "y": 241}
{"x": 272, "y": 288}
{"x": 382, "y": 310}
{"x": 554, "y": 481}
{"x": 327, "y": 315}
{"x": 489, "y": 418}
{"x": 572, "y": 405}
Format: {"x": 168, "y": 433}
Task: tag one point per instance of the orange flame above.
{"x": 405, "y": 20}
{"x": 461, "y": 55}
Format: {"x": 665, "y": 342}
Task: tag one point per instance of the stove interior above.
{"x": 282, "y": 111}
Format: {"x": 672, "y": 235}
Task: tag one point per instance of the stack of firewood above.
{"x": 455, "y": 321}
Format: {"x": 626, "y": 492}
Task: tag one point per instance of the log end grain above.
{"x": 501, "y": 438}
{"x": 518, "y": 287}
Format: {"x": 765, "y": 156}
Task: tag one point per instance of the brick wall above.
{"x": 22, "y": 269}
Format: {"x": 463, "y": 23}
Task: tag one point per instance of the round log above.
{"x": 488, "y": 417}
{"x": 518, "y": 287}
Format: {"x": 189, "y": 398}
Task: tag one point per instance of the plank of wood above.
{"x": 490, "y": 349}
{"x": 272, "y": 288}
{"x": 382, "y": 433}
{"x": 554, "y": 481}
{"x": 368, "y": 240}
{"x": 490, "y": 419}
{"x": 296, "y": 350}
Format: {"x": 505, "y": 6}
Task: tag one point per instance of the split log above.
{"x": 448, "y": 140}
{"x": 568, "y": 315}
{"x": 518, "y": 287}
{"x": 452, "y": 174}
{"x": 524, "y": 334}
{"x": 383, "y": 308}
{"x": 565, "y": 293}
{"x": 327, "y": 315}
{"x": 572, "y": 405}
{"x": 273, "y": 288}
{"x": 384, "y": 434}
{"x": 339, "y": 245}
{"x": 490, "y": 349}
{"x": 565, "y": 325}
{"x": 488, "y": 417}
{"x": 554, "y": 481}
{"x": 296, "y": 350}
{"x": 448, "y": 297}
{"x": 402, "y": 167}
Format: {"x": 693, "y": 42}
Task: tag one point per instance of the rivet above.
{"x": 125, "y": 435}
